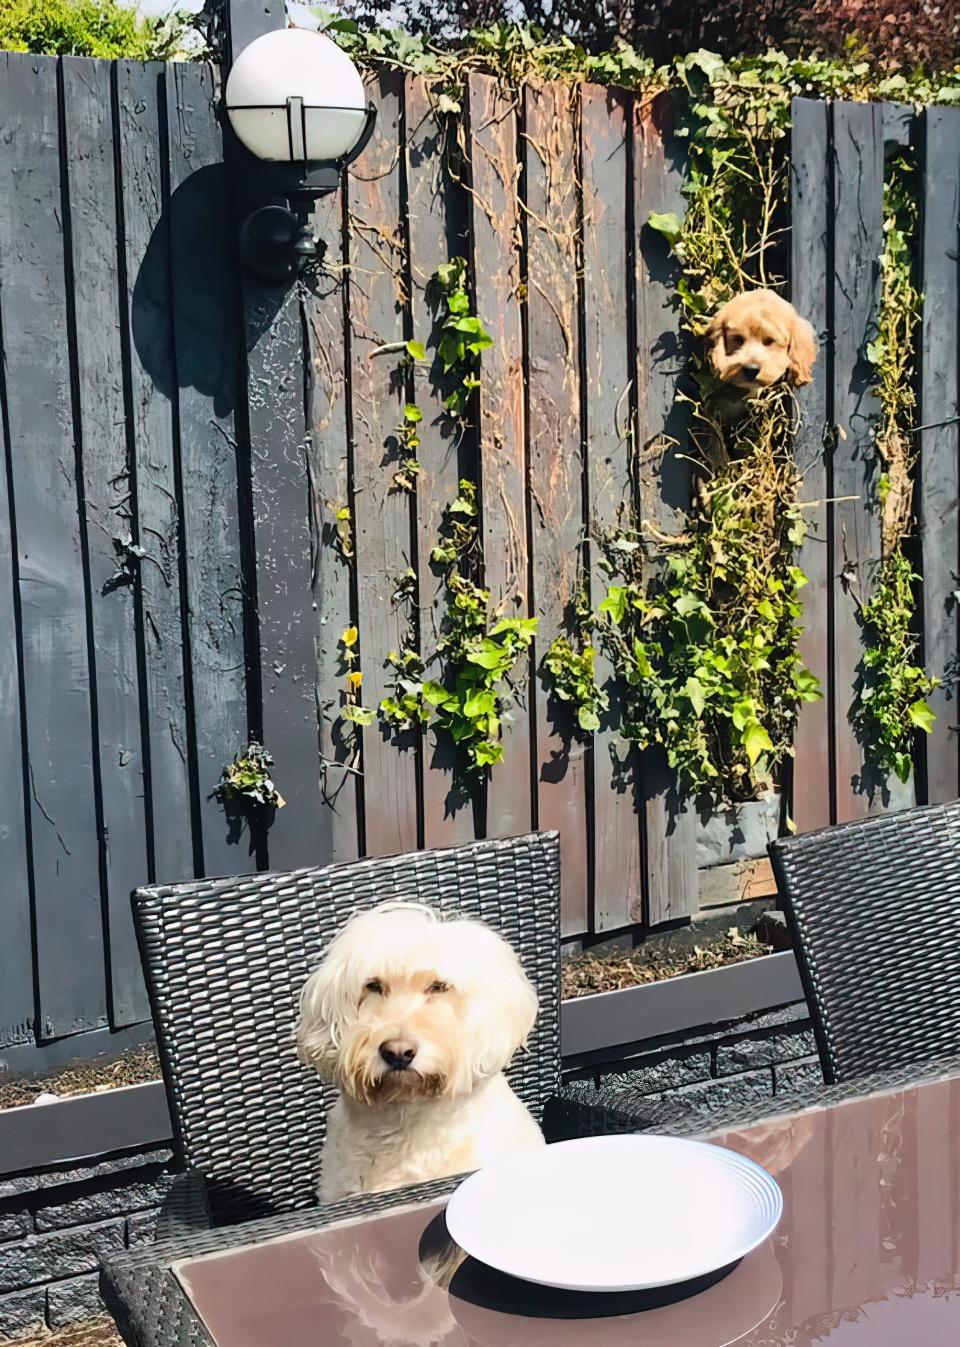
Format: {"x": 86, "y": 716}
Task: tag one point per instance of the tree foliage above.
{"x": 103, "y": 28}
{"x": 900, "y": 33}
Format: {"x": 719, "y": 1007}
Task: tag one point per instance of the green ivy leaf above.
{"x": 615, "y": 603}
{"x": 357, "y": 715}
{"x": 416, "y": 350}
{"x": 588, "y": 719}
{"x": 667, "y": 224}
{"x": 480, "y": 702}
{"x": 756, "y": 740}
{"x": 486, "y": 754}
{"x": 921, "y": 715}
{"x": 694, "y": 690}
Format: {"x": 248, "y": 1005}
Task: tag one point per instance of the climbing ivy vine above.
{"x": 700, "y": 626}
{"x": 475, "y": 665}
{"x": 890, "y": 697}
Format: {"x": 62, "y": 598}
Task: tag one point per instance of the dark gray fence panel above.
{"x": 435, "y": 233}
{"x": 810, "y": 278}
{"x": 42, "y": 455}
{"x": 556, "y": 463}
{"x": 109, "y": 524}
{"x": 16, "y": 973}
{"x": 606, "y": 146}
{"x": 279, "y": 493}
{"x": 207, "y": 327}
{"x": 495, "y": 230}
{"x": 665, "y": 483}
{"x": 858, "y": 146}
{"x": 330, "y": 491}
{"x": 383, "y": 522}
{"x": 940, "y": 445}
{"x": 152, "y": 430}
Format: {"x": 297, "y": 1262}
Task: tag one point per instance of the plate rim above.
{"x": 629, "y": 1138}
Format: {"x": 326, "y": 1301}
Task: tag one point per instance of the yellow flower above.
{"x": 349, "y": 636}
{"x": 355, "y": 679}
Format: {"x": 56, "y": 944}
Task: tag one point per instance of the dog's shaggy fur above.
{"x": 757, "y": 339}
{"x": 414, "y": 1018}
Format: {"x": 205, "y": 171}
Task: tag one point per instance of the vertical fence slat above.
{"x": 281, "y": 523}
{"x": 858, "y": 219}
{"x": 281, "y": 514}
{"x": 383, "y": 514}
{"x": 618, "y": 864}
{"x": 88, "y": 119}
{"x": 809, "y": 263}
{"x": 940, "y": 445}
{"x": 435, "y": 235}
{"x": 495, "y": 231}
{"x": 328, "y": 464}
{"x": 70, "y": 959}
{"x": 152, "y": 381}
{"x": 16, "y": 970}
{"x": 207, "y": 326}
{"x": 553, "y": 355}
{"x": 665, "y": 485}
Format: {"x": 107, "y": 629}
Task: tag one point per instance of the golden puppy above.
{"x": 757, "y": 339}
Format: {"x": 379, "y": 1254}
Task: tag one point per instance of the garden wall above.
{"x": 200, "y": 493}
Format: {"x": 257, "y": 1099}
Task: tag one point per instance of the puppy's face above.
{"x": 757, "y": 339}
{"x": 405, "y": 1006}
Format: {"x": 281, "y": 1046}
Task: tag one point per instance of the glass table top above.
{"x": 867, "y": 1254}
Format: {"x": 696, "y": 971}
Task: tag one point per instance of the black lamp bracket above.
{"x": 276, "y": 241}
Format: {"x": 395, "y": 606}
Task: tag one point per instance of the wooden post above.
{"x": 281, "y": 512}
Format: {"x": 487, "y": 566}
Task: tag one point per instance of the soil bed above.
{"x": 96, "y": 1333}
{"x": 584, "y": 974}
{"x": 133, "y": 1068}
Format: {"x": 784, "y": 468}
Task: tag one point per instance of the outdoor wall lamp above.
{"x": 296, "y": 102}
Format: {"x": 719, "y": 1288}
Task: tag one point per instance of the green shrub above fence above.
{"x": 106, "y": 28}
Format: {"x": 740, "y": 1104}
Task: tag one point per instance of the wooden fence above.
{"x": 178, "y": 439}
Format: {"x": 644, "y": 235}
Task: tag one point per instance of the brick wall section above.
{"x": 728, "y": 1064}
{"x": 56, "y": 1227}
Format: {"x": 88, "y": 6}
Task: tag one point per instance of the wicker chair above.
{"x": 875, "y": 912}
{"x": 224, "y": 961}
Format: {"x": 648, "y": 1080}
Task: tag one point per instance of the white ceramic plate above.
{"x": 616, "y": 1213}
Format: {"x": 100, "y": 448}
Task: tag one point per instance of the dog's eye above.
{"x": 437, "y": 987}
{"x": 736, "y": 343}
{"x": 374, "y": 986}
{"x": 768, "y": 341}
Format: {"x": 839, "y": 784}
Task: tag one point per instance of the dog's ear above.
{"x": 801, "y": 350}
{"x": 713, "y": 340}
{"x": 503, "y": 1007}
{"x": 319, "y": 1027}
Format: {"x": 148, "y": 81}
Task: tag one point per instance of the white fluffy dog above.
{"x": 414, "y": 1018}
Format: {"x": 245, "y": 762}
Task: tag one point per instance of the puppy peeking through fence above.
{"x": 414, "y": 1018}
{"x": 758, "y": 339}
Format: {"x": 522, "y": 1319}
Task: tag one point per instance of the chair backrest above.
{"x": 225, "y": 959}
{"x": 875, "y": 912}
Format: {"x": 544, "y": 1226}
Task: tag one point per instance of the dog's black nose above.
{"x": 750, "y": 371}
{"x": 398, "y": 1053}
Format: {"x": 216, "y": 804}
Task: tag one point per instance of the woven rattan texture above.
{"x": 151, "y": 1310}
{"x": 875, "y": 909}
{"x": 225, "y": 960}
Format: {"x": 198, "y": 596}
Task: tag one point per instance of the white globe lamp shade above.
{"x": 296, "y": 63}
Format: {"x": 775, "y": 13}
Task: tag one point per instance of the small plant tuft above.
{"x": 248, "y": 780}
